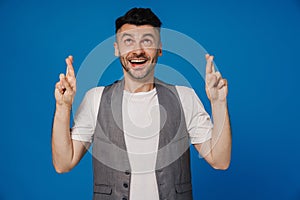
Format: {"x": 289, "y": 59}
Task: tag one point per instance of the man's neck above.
{"x": 135, "y": 86}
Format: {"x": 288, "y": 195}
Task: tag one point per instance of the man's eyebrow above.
{"x": 149, "y": 34}
{"x": 130, "y": 35}
{"x": 126, "y": 34}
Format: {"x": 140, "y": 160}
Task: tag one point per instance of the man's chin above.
{"x": 140, "y": 75}
{"x": 137, "y": 76}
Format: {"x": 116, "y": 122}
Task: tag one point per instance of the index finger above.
{"x": 209, "y": 64}
{"x": 70, "y": 68}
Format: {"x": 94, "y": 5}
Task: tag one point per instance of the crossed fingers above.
{"x": 67, "y": 83}
{"x": 214, "y": 80}
{"x": 213, "y": 77}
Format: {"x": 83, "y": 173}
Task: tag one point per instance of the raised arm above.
{"x": 217, "y": 150}
{"x": 66, "y": 153}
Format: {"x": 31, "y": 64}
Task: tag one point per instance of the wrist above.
{"x": 218, "y": 106}
{"x": 63, "y": 107}
{"x": 219, "y": 103}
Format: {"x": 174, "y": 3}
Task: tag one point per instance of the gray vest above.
{"x": 110, "y": 161}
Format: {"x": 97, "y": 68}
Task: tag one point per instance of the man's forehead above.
{"x": 137, "y": 30}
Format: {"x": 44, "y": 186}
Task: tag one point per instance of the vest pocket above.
{"x": 183, "y": 187}
{"x": 102, "y": 189}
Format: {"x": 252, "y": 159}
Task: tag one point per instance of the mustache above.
{"x": 138, "y": 57}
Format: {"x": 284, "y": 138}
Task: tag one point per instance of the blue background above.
{"x": 256, "y": 46}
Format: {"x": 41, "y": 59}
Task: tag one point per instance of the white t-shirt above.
{"x": 141, "y": 122}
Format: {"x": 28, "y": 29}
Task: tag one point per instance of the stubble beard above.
{"x": 140, "y": 74}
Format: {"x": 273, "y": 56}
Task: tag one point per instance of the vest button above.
{"x": 125, "y": 185}
{"x": 127, "y": 172}
{"x": 124, "y": 198}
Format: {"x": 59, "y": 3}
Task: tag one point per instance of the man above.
{"x": 151, "y": 121}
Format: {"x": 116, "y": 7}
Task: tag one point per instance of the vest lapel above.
{"x": 116, "y": 117}
{"x": 169, "y": 112}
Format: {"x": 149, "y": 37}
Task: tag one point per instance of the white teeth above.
{"x": 138, "y": 61}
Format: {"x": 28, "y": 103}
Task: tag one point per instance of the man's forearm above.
{"x": 62, "y": 149}
{"x": 221, "y": 135}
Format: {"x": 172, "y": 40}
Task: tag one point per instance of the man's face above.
{"x": 138, "y": 48}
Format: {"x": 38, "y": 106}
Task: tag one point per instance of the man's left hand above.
{"x": 216, "y": 87}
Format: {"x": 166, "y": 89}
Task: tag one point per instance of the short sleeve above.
{"x": 84, "y": 123}
{"x": 198, "y": 122}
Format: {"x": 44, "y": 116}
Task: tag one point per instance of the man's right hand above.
{"x": 65, "y": 88}
{"x": 66, "y": 152}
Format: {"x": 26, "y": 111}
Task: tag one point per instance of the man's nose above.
{"x": 138, "y": 49}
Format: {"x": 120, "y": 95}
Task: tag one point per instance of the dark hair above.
{"x": 138, "y": 17}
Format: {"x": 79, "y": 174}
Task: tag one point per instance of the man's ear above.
{"x": 116, "y": 49}
{"x": 160, "y": 49}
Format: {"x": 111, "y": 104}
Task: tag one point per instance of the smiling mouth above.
{"x": 138, "y": 62}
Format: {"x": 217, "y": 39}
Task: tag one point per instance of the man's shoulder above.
{"x": 181, "y": 90}
{"x": 98, "y": 90}
{"x": 178, "y": 87}
{"x": 186, "y": 94}
{"x": 184, "y": 90}
{"x": 95, "y": 90}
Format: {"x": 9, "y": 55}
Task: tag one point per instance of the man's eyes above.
{"x": 128, "y": 41}
{"x": 144, "y": 42}
{"x": 147, "y": 42}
